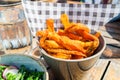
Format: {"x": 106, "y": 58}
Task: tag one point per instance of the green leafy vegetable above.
{"x": 30, "y": 74}
{"x": 23, "y": 74}
{"x": 2, "y": 67}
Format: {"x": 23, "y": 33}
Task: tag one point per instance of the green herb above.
{"x": 23, "y": 74}
{"x": 11, "y": 76}
{"x": 30, "y": 74}
{"x": 2, "y": 67}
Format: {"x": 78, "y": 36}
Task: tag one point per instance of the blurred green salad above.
{"x": 8, "y": 72}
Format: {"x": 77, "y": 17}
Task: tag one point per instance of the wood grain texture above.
{"x": 112, "y": 52}
{"x": 117, "y": 61}
{"x": 97, "y": 71}
{"x": 111, "y": 32}
{"x": 113, "y": 72}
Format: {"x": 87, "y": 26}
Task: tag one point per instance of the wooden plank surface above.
{"x": 97, "y": 71}
{"x": 111, "y": 31}
{"x": 113, "y": 72}
{"x": 111, "y": 52}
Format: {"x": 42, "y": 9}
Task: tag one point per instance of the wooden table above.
{"x": 104, "y": 69}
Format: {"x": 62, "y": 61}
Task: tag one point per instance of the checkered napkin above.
{"x": 93, "y": 15}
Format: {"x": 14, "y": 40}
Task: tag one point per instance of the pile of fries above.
{"x": 72, "y": 42}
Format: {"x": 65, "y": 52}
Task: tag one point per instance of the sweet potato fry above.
{"x": 70, "y": 35}
{"x": 65, "y": 42}
{"x": 77, "y": 27}
{"x": 50, "y": 25}
{"x": 77, "y": 57}
{"x": 52, "y": 44}
{"x": 42, "y": 41}
{"x": 89, "y": 36}
{"x": 41, "y": 33}
{"x": 72, "y": 42}
{"x": 65, "y": 20}
{"x": 97, "y": 34}
{"x": 92, "y": 48}
{"x": 66, "y": 52}
{"x": 61, "y": 55}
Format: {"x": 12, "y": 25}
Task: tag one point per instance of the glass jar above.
{"x": 15, "y": 34}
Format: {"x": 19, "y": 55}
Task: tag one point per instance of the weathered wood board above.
{"x": 113, "y": 72}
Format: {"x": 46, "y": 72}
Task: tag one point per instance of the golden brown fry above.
{"x": 89, "y": 36}
{"x": 61, "y": 55}
{"x": 73, "y": 36}
{"x": 70, "y": 35}
{"x": 76, "y": 39}
{"x": 41, "y": 33}
{"x": 83, "y": 44}
{"x": 83, "y": 27}
{"x": 77, "y": 27}
{"x": 97, "y": 34}
{"x": 74, "y": 42}
{"x": 95, "y": 43}
{"x": 61, "y": 32}
{"x": 50, "y": 25}
{"x": 65, "y": 20}
{"x": 92, "y": 48}
{"x": 54, "y": 36}
{"x": 71, "y": 44}
{"x": 65, "y": 42}
{"x": 77, "y": 57}
{"x": 42, "y": 41}
{"x": 66, "y": 52}
{"x": 52, "y": 44}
